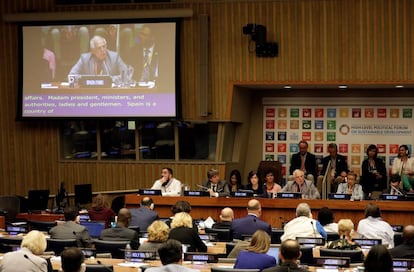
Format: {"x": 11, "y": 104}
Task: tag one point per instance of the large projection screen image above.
{"x": 98, "y": 70}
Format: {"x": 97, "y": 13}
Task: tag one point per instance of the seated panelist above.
{"x": 215, "y": 186}
{"x": 300, "y": 185}
{"x": 395, "y": 188}
{"x": 168, "y": 185}
{"x": 351, "y": 187}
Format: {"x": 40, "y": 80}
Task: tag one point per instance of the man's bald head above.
{"x": 408, "y": 233}
{"x": 253, "y": 206}
{"x": 227, "y": 214}
{"x": 290, "y": 250}
{"x": 124, "y": 216}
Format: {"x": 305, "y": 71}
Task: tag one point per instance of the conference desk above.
{"x": 278, "y": 211}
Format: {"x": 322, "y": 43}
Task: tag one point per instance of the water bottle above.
{"x": 128, "y": 256}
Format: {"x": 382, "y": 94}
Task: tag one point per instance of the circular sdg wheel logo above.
{"x": 344, "y": 129}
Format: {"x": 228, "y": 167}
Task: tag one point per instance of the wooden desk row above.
{"x": 277, "y": 211}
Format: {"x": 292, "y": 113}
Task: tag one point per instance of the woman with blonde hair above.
{"x": 100, "y": 210}
{"x": 27, "y": 258}
{"x": 182, "y": 230}
{"x": 255, "y": 257}
{"x": 157, "y": 234}
{"x": 345, "y": 231}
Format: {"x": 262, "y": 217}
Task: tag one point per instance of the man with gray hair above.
{"x": 300, "y": 185}
{"x": 303, "y": 225}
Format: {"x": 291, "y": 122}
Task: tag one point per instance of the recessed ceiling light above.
{"x": 399, "y": 86}
{"x": 342, "y": 86}
{"x": 287, "y": 87}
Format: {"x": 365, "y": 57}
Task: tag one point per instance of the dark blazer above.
{"x": 71, "y": 230}
{"x": 188, "y": 236}
{"x": 248, "y": 225}
{"x": 86, "y": 64}
{"x": 368, "y": 180}
{"x": 120, "y": 233}
{"x": 222, "y": 188}
{"x": 222, "y": 225}
{"x": 341, "y": 164}
{"x": 310, "y": 163}
{"x": 405, "y": 250}
{"x": 285, "y": 267}
{"x": 142, "y": 217}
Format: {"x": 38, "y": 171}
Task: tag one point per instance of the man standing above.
{"x": 300, "y": 185}
{"x": 304, "y": 161}
{"x": 168, "y": 185}
{"x": 336, "y": 162}
{"x": 214, "y": 185}
{"x": 249, "y": 224}
{"x": 143, "y": 216}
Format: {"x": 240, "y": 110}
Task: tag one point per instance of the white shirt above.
{"x": 331, "y": 227}
{"x": 173, "y": 187}
{"x": 300, "y": 227}
{"x": 376, "y": 228}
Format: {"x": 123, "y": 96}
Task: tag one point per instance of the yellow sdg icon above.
{"x": 344, "y": 129}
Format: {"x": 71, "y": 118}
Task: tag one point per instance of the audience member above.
{"x": 374, "y": 173}
{"x": 345, "y": 231}
{"x": 121, "y": 232}
{"x": 395, "y": 186}
{"x": 171, "y": 253}
{"x": 304, "y": 161}
{"x": 157, "y": 234}
{"x": 72, "y": 260}
{"x": 406, "y": 249}
{"x": 235, "y": 181}
{"x": 270, "y": 186}
{"x": 168, "y": 185}
{"x": 303, "y": 225}
{"x": 378, "y": 259}
{"x": 254, "y": 184}
{"x": 183, "y": 231}
{"x": 255, "y": 257}
{"x": 181, "y": 206}
{"x": 289, "y": 255}
{"x": 100, "y": 210}
{"x": 326, "y": 218}
{"x": 403, "y": 165}
{"x": 249, "y": 224}
{"x": 71, "y": 229}
{"x": 226, "y": 217}
{"x": 351, "y": 187}
{"x": 143, "y": 216}
{"x": 99, "y": 61}
{"x": 300, "y": 185}
{"x": 27, "y": 257}
{"x": 338, "y": 163}
{"x": 373, "y": 227}
{"x": 215, "y": 186}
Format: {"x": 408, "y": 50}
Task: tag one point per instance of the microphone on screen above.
{"x": 38, "y": 266}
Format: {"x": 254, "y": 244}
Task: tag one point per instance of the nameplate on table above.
{"x": 242, "y": 193}
{"x": 137, "y": 256}
{"x": 339, "y": 196}
{"x": 401, "y": 264}
{"x": 199, "y": 257}
{"x": 149, "y": 192}
{"x": 391, "y": 197}
{"x": 311, "y": 241}
{"x": 332, "y": 262}
{"x": 196, "y": 193}
{"x": 289, "y": 195}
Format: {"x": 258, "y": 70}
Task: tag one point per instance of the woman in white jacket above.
{"x": 403, "y": 165}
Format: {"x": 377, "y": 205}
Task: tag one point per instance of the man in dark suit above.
{"x": 338, "y": 164}
{"x": 249, "y": 224}
{"x": 71, "y": 229}
{"x": 99, "y": 61}
{"x": 289, "y": 255}
{"x": 406, "y": 249}
{"x": 304, "y": 161}
{"x": 143, "y": 216}
{"x": 226, "y": 217}
{"x": 214, "y": 185}
{"x": 121, "y": 232}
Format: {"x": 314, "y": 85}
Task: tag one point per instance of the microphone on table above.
{"x": 106, "y": 267}
{"x": 398, "y": 191}
{"x": 38, "y": 266}
{"x": 314, "y": 230}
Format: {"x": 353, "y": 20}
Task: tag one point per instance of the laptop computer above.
{"x": 274, "y": 251}
{"x": 289, "y": 195}
{"x": 339, "y": 196}
{"x": 94, "y": 227}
